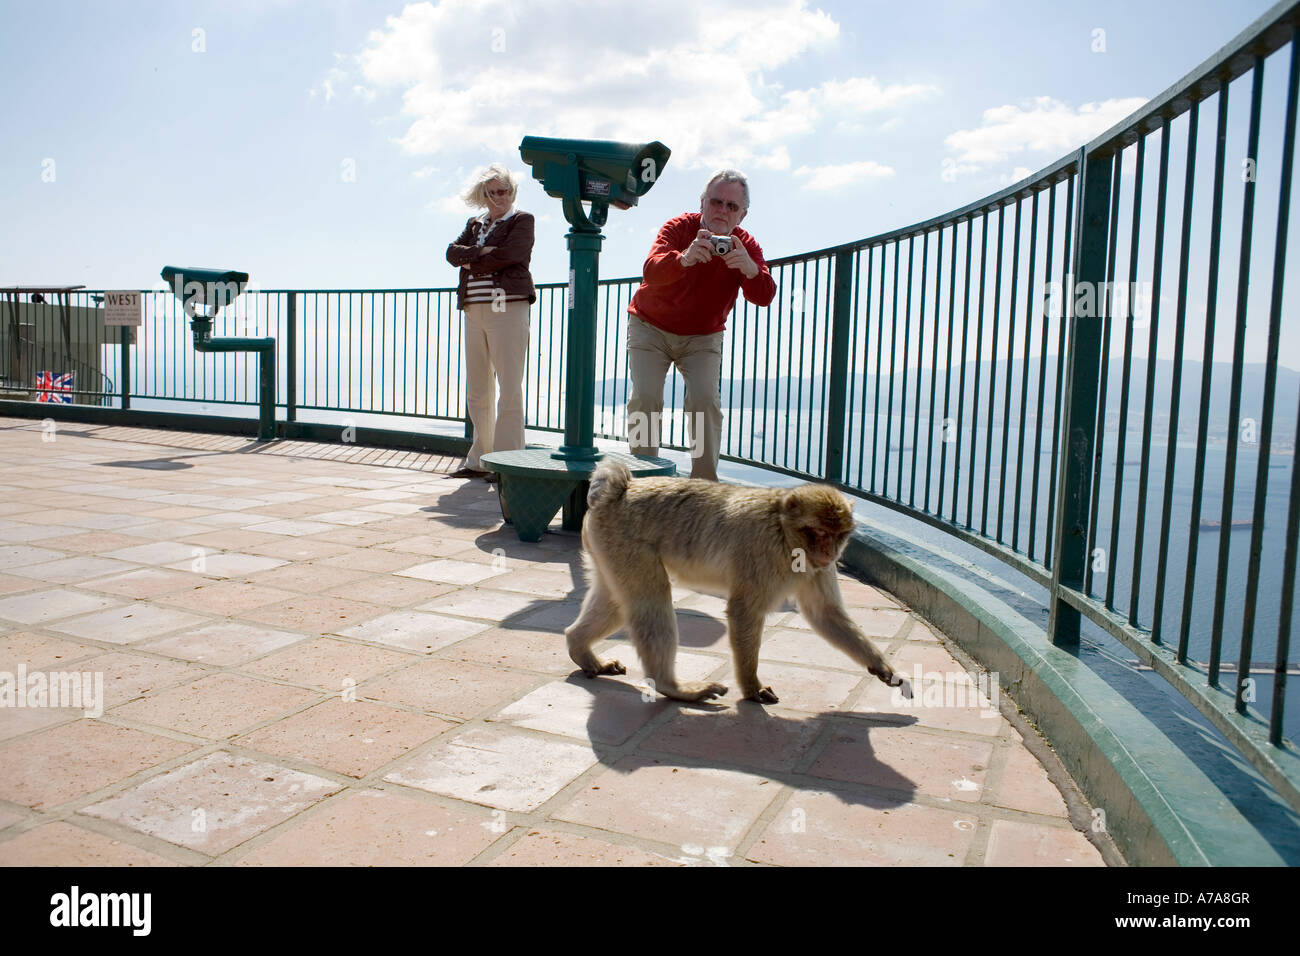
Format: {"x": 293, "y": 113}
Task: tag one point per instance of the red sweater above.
{"x": 695, "y": 300}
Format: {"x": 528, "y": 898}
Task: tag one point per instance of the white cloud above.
{"x": 474, "y": 76}
{"x": 452, "y": 206}
{"x": 845, "y": 174}
{"x": 1042, "y": 125}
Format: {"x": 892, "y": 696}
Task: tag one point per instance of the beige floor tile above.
{"x": 63, "y": 844}
{"x": 76, "y": 570}
{"x": 317, "y": 614}
{"x": 451, "y": 572}
{"x": 332, "y": 665}
{"x": 216, "y": 707}
{"x": 40, "y": 650}
{"x": 215, "y": 803}
{"x": 128, "y": 676}
{"x": 708, "y": 808}
{"x": 497, "y": 767}
{"x": 1024, "y": 785}
{"x": 147, "y": 583}
{"x": 540, "y": 651}
{"x": 130, "y": 624}
{"x": 51, "y": 604}
{"x": 486, "y": 604}
{"x": 549, "y": 847}
{"x": 77, "y": 758}
{"x": 310, "y": 577}
{"x": 414, "y": 630}
{"x": 224, "y": 643}
{"x": 455, "y": 688}
{"x": 224, "y": 597}
{"x": 1012, "y": 843}
{"x": 817, "y": 827}
{"x": 378, "y": 828}
{"x": 601, "y": 711}
{"x": 390, "y": 590}
{"x": 230, "y": 564}
{"x": 908, "y": 760}
{"x": 353, "y": 737}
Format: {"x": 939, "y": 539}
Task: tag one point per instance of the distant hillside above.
{"x": 807, "y": 393}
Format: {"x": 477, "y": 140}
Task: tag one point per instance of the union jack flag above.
{"x": 54, "y": 388}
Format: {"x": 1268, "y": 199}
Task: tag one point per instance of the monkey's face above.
{"x": 818, "y": 520}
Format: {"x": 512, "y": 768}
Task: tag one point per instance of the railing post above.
{"x": 126, "y": 336}
{"x": 291, "y": 359}
{"x": 837, "y": 395}
{"x": 1082, "y": 377}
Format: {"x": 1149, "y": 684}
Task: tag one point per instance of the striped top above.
{"x": 481, "y": 288}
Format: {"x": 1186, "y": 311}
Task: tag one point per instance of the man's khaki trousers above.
{"x": 650, "y": 351}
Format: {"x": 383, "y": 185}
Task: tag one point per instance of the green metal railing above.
{"x": 989, "y": 372}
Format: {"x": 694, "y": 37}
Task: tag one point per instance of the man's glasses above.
{"x": 731, "y": 207}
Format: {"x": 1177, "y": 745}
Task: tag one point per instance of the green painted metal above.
{"x": 993, "y": 378}
{"x": 1102, "y": 387}
{"x": 1080, "y": 427}
{"x": 833, "y": 469}
{"x": 536, "y": 484}
{"x": 1270, "y": 390}
{"x": 1211, "y": 312}
{"x": 1234, "y": 394}
{"x": 1180, "y": 317}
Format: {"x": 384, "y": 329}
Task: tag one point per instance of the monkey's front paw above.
{"x": 764, "y": 695}
{"x": 607, "y": 667}
{"x": 696, "y": 692}
{"x": 903, "y": 684}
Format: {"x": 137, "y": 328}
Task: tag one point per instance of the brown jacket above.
{"x": 513, "y": 241}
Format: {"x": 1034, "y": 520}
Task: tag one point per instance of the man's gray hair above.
{"x": 727, "y": 176}
{"x": 475, "y": 193}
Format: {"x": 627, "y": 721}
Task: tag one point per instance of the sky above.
{"x": 324, "y": 144}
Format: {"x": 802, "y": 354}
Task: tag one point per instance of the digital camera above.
{"x": 721, "y": 244}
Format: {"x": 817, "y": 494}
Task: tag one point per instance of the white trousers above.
{"x": 496, "y": 344}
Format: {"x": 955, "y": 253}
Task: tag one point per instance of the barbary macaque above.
{"x": 756, "y": 546}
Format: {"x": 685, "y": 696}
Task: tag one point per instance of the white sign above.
{"x": 572, "y": 277}
{"x": 122, "y": 308}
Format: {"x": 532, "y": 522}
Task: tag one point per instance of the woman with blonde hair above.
{"x": 495, "y": 293}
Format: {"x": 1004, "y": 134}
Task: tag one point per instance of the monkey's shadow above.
{"x": 828, "y": 751}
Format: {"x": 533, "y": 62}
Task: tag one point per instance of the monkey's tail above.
{"x": 608, "y": 483}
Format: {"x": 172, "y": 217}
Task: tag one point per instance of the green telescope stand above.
{"x": 537, "y": 482}
{"x": 215, "y": 288}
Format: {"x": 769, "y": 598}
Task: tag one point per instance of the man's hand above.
{"x": 700, "y": 250}
{"x": 738, "y": 258}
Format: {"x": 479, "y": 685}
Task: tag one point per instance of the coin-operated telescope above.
{"x": 205, "y": 292}
{"x": 597, "y": 171}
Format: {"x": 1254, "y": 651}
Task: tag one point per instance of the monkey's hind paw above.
{"x": 606, "y": 667}
{"x": 764, "y": 695}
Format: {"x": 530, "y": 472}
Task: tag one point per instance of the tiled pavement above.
{"x": 322, "y": 654}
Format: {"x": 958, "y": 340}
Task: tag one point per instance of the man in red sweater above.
{"x": 677, "y": 317}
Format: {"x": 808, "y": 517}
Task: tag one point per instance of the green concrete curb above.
{"x": 1160, "y": 807}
